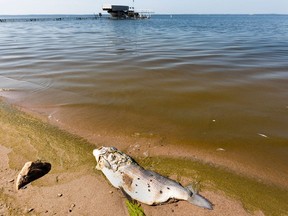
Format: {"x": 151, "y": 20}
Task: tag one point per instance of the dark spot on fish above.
{"x": 138, "y": 178}
{"x": 136, "y": 185}
{"x": 148, "y": 185}
{"x": 136, "y": 192}
{"x": 127, "y": 180}
{"x": 150, "y": 180}
{"x": 151, "y": 175}
{"x": 161, "y": 191}
{"x": 168, "y": 188}
{"x": 149, "y": 190}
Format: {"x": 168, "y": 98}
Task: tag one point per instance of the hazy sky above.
{"x": 158, "y": 6}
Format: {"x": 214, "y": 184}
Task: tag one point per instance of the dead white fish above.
{"x": 32, "y": 171}
{"x": 142, "y": 185}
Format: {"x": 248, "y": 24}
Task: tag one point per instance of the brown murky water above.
{"x": 206, "y": 82}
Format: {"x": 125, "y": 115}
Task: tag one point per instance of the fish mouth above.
{"x": 97, "y": 154}
{"x": 105, "y": 154}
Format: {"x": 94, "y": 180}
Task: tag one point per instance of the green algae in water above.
{"x": 31, "y": 139}
{"x": 134, "y": 209}
{"x": 254, "y": 195}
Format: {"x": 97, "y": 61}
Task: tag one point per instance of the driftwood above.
{"x": 32, "y": 171}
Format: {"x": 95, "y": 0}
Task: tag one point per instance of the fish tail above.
{"x": 198, "y": 200}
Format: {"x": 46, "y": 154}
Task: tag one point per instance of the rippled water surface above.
{"x": 209, "y": 81}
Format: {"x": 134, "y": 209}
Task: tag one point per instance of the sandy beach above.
{"x": 89, "y": 194}
{"x": 74, "y": 187}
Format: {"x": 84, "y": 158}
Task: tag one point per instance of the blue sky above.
{"x": 15, "y": 7}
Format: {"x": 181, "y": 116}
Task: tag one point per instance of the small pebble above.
{"x": 59, "y": 195}
{"x": 146, "y": 154}
{"x": 11, "y": 180}
{"x": 111, "y": 192}
{"x": 30, "y": 210}
{"x": 71, "y": 207}
{"x": 136, "y": 134}
{"x": 220, "y": 149}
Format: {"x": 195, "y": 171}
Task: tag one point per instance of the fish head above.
{"x": 110, "y": 158}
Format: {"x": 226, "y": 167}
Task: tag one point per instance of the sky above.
{"x": 25, "y": 7}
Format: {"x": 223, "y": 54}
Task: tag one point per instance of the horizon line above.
{"x": 85, "y": 14}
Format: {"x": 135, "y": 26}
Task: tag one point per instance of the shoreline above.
{"x": 73, "y": 165}
{"x": 143, "y": 145}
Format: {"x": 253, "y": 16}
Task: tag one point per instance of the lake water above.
{"x": 203, "y": 81}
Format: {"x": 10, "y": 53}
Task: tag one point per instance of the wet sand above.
{"x": 73, "y": 186}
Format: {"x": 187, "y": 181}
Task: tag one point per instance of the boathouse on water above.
{"x": 125, "y": 12}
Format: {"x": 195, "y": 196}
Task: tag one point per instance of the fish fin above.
{"x": 198, "y": 200}
{"x": 128, "y": 197}
{"x": 190, "y": 187}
